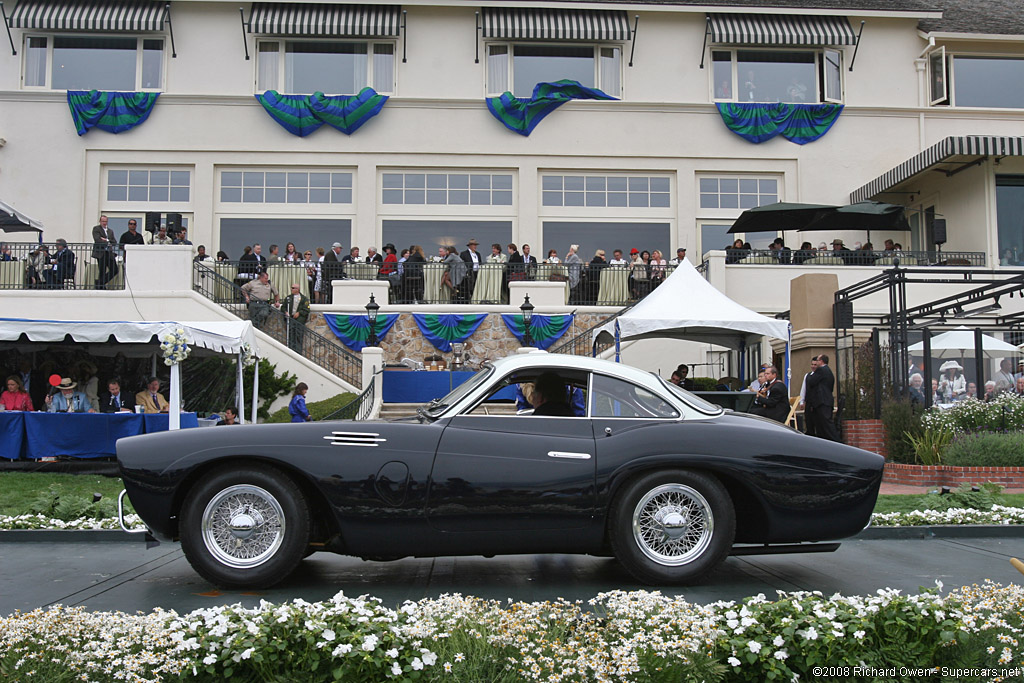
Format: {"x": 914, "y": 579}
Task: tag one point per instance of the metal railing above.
{"x": 325, "y": 352}
{"x": 582, "y": 344}
{"x": 359, "y": 408}
{"x": 78, "y": 266}
{"x": 810, "y": 257}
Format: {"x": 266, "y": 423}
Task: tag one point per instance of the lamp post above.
{"x": 371, "y": 315}
{"x": 527, "y": 309}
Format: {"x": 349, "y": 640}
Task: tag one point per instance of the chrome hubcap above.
{"x": 243, "y": 526}
{"x": 673, "y": 524}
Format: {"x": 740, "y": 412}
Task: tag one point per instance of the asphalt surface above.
{"x": 126, "y": 576}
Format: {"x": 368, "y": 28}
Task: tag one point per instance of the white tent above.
{"x": 686, "y": 306}
{"x": 959, "y": 343}
{"x": 229, "y": 337}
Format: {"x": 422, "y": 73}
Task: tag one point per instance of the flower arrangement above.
{"x": 174, "y": 346}
{"x": 635, "y": 636}
{"x": 1004, "y": 413}
{"x": 248, "y": 356}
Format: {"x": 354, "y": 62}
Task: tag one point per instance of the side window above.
{"x": 617, "y": 398}
{"x": 513, "y": 394}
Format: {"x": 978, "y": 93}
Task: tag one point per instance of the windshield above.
{"x": 694, "y": 400}
{"x": 455, "y": 395}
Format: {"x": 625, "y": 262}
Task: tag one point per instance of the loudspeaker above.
{"x": 842, "y": 315}
{"x": 173, "y": 224}
{"x": 939, "y": 231}
{"x": 152, "y": 221}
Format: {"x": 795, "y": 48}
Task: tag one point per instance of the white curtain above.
{"x": 497, "y": 69}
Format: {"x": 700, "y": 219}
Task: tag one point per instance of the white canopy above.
{"x": 959, "y": 343}
{"x": 686, "y": 306}
{"x": 220, "y": 336}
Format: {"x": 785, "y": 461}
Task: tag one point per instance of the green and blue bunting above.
{"x": 544, "y": 329}
{"x": 114, "y": 112}
{"x": 303, "y": 114}
{"x": 799, "y": 123}
{"x": 354, "y": 330}
{"x": 522, "y": 114}
{"x": 442, "y": 330}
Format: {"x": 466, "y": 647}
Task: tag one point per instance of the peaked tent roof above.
{"x": 686, "y": 306}
{"x": 219, "y": 336}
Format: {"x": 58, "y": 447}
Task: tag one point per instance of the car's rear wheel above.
{"x": 245, "y": 526}
{"x": 672, "y": 526}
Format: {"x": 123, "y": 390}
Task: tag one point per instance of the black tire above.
{"x": 270, "y": 520}
{"x": 702, "y": 525}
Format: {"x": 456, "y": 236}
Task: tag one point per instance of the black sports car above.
{"x": 613, "y": 461}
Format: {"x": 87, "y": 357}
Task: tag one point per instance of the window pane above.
{"x": 748, "y": 201}
{"x": 501, "y": 182}
{"x": 117, "y": 193}
{"x": 138, "y": 177}
{"x": 574, "y": 199}
{"x": 638, "y": 184}
{"x": 501, "y": 198}
{"x": 332, "y": 67}
{"x": 152, "y": 63}
{"x": 748, "y": 185}
{"x": 709, "y": 201}
{"x": 274, "y": 195}
{"x": 985, "y": 82}
{"x": 479, "y": 197}
{"x": 1010, "y": 219}
{"x": 159, "y": 178}
{"x": 768, "y": 76}
{"x": 437, "y": 196}
{"x": 383, "y": 67}
{"x": 341, "y": 180}
{"x": 414, "y": 196}
{"x": 595, "y": 199}
{"x": 533, "y": 64}
{"x": 275, "y": 179}
{"x": 595, "y": 183}
{"x": 497, "y": 69}
{"x": 574, "y": 182}
{"x": 728, "y": 185}
{"x": 459, "y": 197}
{"x": 268, "y": 64}
{"x": 833, "y": 74}
{"x": 637, "y": 199}
{"x": 722, "y": 74}
{"x": 35, "y": 62}
{"x": 138, "y": 193}
{"x": 551, "y": 182}
{"x": 341, "y": 196}
{"x": 88, "y": 63}
{"x": 616, "y": 183}
{"x": 179, "y": 194}
{"x": 319, "y": 195}
{"x": 298, "y": 195}
{"x": 611, "y": 71}
{"x": 661, "y": 199}
{"x": 416, "y": 180}
{"x": 617, "y": 199}
{"x": 392, "y": 197}
{"x": 252, "y": 195}
{"x": 392, "y": 180}
{"x": 158, "y": 194}
{"x": 659, "y": 185}
{"x": 616, "y": 398}
{"x": 252, "y": 179}
{"x": 437, "y": 181}
{"x": 552, "y": 198}
{"x": 768, "y": 185}
{"x": 709, "y": 184}
{"x": 480, "y": 182}
{"x": 117, "y": 177}
{"x": 729, "y": 201}
{"x": 298, "y": 180}
{"x": 181, "y": 178}
{"x": 319, "y": 179}
{"x": 230, "y": 194}
{"x": 458, "y": 181}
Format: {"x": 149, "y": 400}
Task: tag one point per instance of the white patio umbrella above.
{"x": 959, "y": 343}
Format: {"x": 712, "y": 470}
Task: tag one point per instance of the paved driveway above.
{"x": 127, "y": 577}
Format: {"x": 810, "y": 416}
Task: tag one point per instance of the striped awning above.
{"x": 555, "y": 24}
{"x": 780, "y": 29}
{"x": 951, "y": 150}
{"x": 90, "y": 15}
{"x": 300, "y": 19}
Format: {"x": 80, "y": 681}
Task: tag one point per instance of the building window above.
{"x": 328, "y": 66}
{"x": 592, "y": 235}
{"x": 1010, "y": 218}
{"x": 306, "y": 233}
{"x": 737, "y": 192}
{"x": 793, "y": 76}
{"x": 430, "y": 234}
{"x": 286, "y": 187}
{"x": 75, "y": 62}
{"x": 447, "y": 189}
{"x": 606, "y": 191}
{"x": 148, "y": 185}
{"x": 524, "y": 66}
{"x": 987, "y": 82}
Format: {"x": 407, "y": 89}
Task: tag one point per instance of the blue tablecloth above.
{"x": 12, "y": 434}
{"x": 82, "y": 435}
{"x": 410, "y": 386}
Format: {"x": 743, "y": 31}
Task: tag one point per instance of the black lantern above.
{"x": 371, "y": 315}
{"x": 527, "y": 309}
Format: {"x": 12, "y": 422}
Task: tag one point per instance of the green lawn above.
{"x": 17, "y": 489}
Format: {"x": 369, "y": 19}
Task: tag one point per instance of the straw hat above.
{"x": 950, "y": 365}
{"x": 67, "y": 383}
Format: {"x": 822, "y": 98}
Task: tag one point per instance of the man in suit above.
{"x": 104, "y": 252}
{"x": 372, "y": 256}
{"x": 773, "y": 399}
{"x": 296, "y": 307}
{"x": 529, "y": 262}
{"x": 474, "y": 259}
{"x": 114, "y": 400}
{"x": 68, "y": 400}
{"x": 819, "y": 399}
{"x": 331, "y": 271}
{"x": 150, "y": 398}
{"x": 63, "y": 262}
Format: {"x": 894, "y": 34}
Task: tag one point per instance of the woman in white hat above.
{"x": 953, "y": 385}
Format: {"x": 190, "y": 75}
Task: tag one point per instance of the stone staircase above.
{"x": 390, "y": 411}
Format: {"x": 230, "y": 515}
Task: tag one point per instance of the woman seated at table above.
{"x": 15, "y": 397}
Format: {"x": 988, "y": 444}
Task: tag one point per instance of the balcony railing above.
{"x": 325, "y": 352}
{"x": 78, "y": 266}
{"x": 884, "y": 259}
{"x": 359, "y": 408}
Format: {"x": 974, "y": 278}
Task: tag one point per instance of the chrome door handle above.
{"x": 568, "y": 455}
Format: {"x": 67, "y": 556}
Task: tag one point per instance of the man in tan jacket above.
{"x": 150, "y": 398}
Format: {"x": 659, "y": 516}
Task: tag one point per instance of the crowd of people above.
{"x": 861, "y": 254}
{"x": 951, "y": 385}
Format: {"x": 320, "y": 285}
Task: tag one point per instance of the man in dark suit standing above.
{"x": 819, "y": 399}
{"x": 115, "y": 400}
{"x": 104, "y": 252}
{"x": 474, "y": 259}
{"x": 331, "y": 271}
{"x": 772, "y": 401}
{"x": 529, "y": 262}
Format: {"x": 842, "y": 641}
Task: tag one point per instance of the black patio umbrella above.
{"x": 780, "y": 216}
{"x": 12, "y": 220}
{"x": 862, "y": 216}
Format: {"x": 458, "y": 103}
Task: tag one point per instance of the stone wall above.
{"x": 491, "y": 340}
{"x": 866, "y": 434}
{"x": 951, "y": 476}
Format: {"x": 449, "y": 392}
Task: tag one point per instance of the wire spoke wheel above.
{"x": 673, "y": 524}
{"x": 243, "y": 526}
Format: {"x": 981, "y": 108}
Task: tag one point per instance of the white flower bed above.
{"x": 999, "y": 514}
{"x": 38, "y": 522}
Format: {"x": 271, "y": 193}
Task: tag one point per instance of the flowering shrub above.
{"x": 174, "y": 346}
{"x": 999, "y": 514}
{"x": 625, "y": 636}
{"x": 1005, "y": 413}
{"x": 39, "y": 521}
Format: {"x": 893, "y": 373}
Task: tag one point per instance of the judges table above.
{"x": 420, "y": 386}
{"x": 77, "y": 435}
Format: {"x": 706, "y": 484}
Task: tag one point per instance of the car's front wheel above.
{"x": 245, "y": 526}
{"x": 672, "y": 526}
